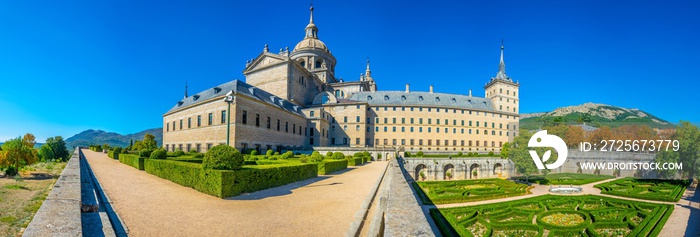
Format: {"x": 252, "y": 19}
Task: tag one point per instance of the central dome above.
{"x": 311, "y": 43}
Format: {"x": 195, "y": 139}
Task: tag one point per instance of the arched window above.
{"x": 318, "y": 64}
{"x": 302, "y": 62}
{"x": 324, "y": 99}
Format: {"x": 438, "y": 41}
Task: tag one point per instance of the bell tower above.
{"x": 502, "y": 91}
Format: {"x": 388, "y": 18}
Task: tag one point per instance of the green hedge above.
{"x": 444, "y": 192}
{"x": 113, "y": 155}
{"x": 649, "y": 189}
{"x": 132, "y": 160}
{"x": 354, "y": 161}
{"x": 330, "y": 166}
{"x": 226, "y": 183}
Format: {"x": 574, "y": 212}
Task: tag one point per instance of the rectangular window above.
{"x": 386, "y": 141}
{"x": 462, "y": 143}
{"x": 470, "y": 142}
{"x": 376, "y": 120}
{"x": 286, "y": 126}
{"x": 403, "y": 129}
{"x": 393, "y": 129}
{"x": 420, "y": 129}
{"x": 376, "y": 128}
{"x": 173, "y": 126}
{"x": 428, "y": 129}
{"x": 420, "y": 142}
{"x": 477, "y": 123}
{"x": 403, "y": 141}
{"x": 437, "y": 142}
{"x": 167, "y": 127}
{"x": 403, "y": 108}
{"x": 199, "y": 120}
{"x": 437, "y": 121}
{"x": 357, "y": 140}
{"x": 312, "y": 113}
{"x": 268, "y": 122}
{"x": 393, "y": 142}
{"x": 411, "y": 108}
{"x": 345, "y": 141}
{"x": 447, "y": 122}
{"x": 411, "y": 120}
{"x": 223, "y": 116}
{"x": 368, "y": 128}
{"x": 462, "y": 130}
{"x": 357, "y": 119}
{"x": 394, "y": 108}
{"x": 386, "y": 120}
{"x": 470, "y": 123}
{"x": 345, "y": 119}
{"x": 294, "y": 128}
{"x": 278, "y": 126}
{"x": 211, "y": 119}
{"x": 189, "y": 122}
{"x": 368, "y": 121}
{"x": 393, "y": 120}
{"x": 429, "y": 121}
{"x": 385, "y": 129}
{"x": 470, "y": 131}
{"x": 245, "y": 117}
{"x": 411, "y": 129}
{"x": 357, "y": 127}
{"x": 430, "y": 142}
{"x": 411, "y": 142}
{"x": 257, "y": 120}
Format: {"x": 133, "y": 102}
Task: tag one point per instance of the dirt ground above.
{"x": 19, "y": 200}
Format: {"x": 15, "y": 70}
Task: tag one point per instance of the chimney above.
{"x": 431, "y": 89}
{"x": 470, "y": 92}
{"x": 407, "y": 88}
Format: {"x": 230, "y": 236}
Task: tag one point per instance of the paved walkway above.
{"x": 151, "y": 206}
{"x": 683, "y": 221}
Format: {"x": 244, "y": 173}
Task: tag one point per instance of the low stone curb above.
{"x": 364, "y": 207}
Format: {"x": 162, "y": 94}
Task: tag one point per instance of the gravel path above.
{"x": 151, "y": 206}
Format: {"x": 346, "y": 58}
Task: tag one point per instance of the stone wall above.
{"x": 60, "y": 215}
{"x": 458, "y": 168}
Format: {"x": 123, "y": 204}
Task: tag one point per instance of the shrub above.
{"x": 145, "y": 153}
{"x": 316, "y": 157}
{"x": 254, "y": 152}
{"x": 407, "y": 154}
{"x": 287, "y": 155}
{"x": 198, "y": 156}
{"x": 277, "y": 153}
{"x": 459, "y": 153}
{"x": 178, "y": 152}
{"x": 158, "y": 154}
{"x": 303, "y": 159}
{"x": 329, "y": 153}
{"x": 338, "y": 156}
{"x": 330, "y": 166}
{"x": 419, "y": 153}
{"x": 222, "y": 157}
{"x": 132, "y": 160}
{"x": 490, "y": 153}
{"x": 273, "y": 157}
{"x": 226, "y": 183}
{"x": 10, "y": 171}
{"x": 269, "y": 152}
{"x": 354, "y": 161}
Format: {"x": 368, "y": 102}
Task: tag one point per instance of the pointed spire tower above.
{"x": 185, "y": 89}
{"x": 502, "y": 67}
{"x": 501, "y": 89}
{"x": 314, "y": 54}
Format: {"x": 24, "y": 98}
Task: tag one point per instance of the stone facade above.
{"x": 458, "y": 168}
{"x": 299, "y": 89}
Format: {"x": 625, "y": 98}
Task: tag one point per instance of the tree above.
{"x": 559, "y": 130}
{"x": 149, "y": 141}
{"x": 222, "y": 157}
{"x": 504, "y": 150}
{"x": 574, "y": 136}
{"x": 19, "y": 152}
{"x": 46, "y": 153}
{"x": 602, "y": 133}
{"x": 138, "y": 145}
{"x": 58, "y": 147}
{"x": 688, "y": 137}
{"x": 521, "y": 157}
{"x": 666, "y": 157}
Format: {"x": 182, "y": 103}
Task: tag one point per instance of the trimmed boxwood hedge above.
{"x": 132, "y": 160}
{"x": 113, "y": 155}
{"x": 649, "y": 189}
{"x": 444, "y": 192}
{"x": 226, "y": 183}
{"x": 354, "y": 161}
{"x": 516, "y": 215}
{"x": 330, "y": 166}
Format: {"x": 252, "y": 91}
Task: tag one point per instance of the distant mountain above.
{"x": 90, "y": 137}
{"x": 592, "y": 114}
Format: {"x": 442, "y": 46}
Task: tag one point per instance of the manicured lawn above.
{"x": 587, "y": 215}
{"x": 443, "y": 192}
{"x": 565, "y": 178}
{"x": 650, "y": 189}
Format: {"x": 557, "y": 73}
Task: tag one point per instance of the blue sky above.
{"x": 67, "y": 66}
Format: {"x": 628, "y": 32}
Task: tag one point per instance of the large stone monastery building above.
{"x": 293, "y": 100}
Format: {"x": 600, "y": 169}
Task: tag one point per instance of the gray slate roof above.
{"x": 239, "y": 87}
{"x": 423, "y": 99}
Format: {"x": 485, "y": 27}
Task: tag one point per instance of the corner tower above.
{"x": 502, "y": 91}
{"x": 314, "y": 55}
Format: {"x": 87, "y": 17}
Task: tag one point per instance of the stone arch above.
{"x": 421, "y": 168}
{"x": 302, "y": 62}
{"x": 474, "y": 168}
{"x": 498, "y": 169}
{"x": 448, "y": 168}
{"x": 318, "y": 64}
